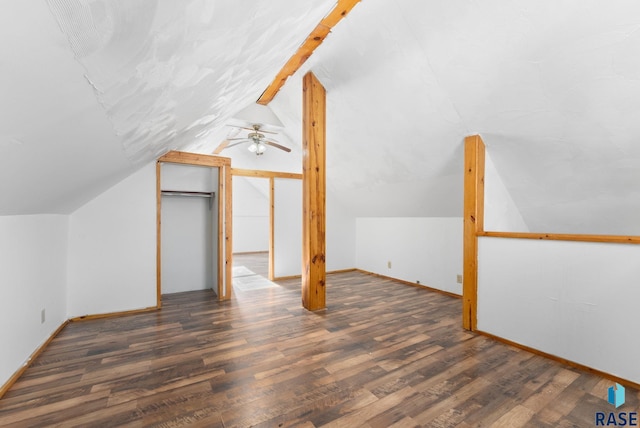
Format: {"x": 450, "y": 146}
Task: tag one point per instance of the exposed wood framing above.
{"x": 221, "y": 247}
{"x": 228, "y": 232}
{"x": 473, "y": 225}
{"x": 224, "y": 216}
{"x": 315, "y": 39}
{"x": 313, "y": 193}
{"x": 158, "y": 236}
{"x": 221, "y": 147}
{"x": 257, "y": 173}
{"x": 613, "y": 239}
{"x": 272, "y": 234}
{"x": 195, "y": 159}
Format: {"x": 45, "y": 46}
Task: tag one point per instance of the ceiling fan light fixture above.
{"x": 257, "y": 147}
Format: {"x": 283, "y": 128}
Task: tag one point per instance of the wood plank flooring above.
{"x": 381, "y": 355}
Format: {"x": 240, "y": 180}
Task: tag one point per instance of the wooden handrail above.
{"x": 613, "y": 239}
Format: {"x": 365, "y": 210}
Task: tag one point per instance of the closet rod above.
{"x": 188, "y": 193}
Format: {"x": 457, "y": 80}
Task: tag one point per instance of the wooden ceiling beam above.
{"x": 315, "y": 39}
{"x": 221, "y": 147}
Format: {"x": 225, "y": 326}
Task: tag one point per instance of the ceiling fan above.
{"x": 258, "y": 141}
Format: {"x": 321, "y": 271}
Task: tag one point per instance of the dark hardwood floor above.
{"x": 381, "y": 355}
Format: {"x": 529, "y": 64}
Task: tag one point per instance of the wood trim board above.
{"x": 613, "y": 239}
{"x": 561, "y": 360}
{"x": 194, "y": 159}
{"x": 258, "y": 173}
{"x": 113, "y": 314}
{"x": 402, "y": 281}
{"x": 158, "y": 235}
{"x": 228, "y": 232}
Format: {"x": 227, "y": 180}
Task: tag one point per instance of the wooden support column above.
{"x": 313, "y": 193}
{"x": 473, "y": 225}
{"x": 158, "y": 236}
{"x": 272, "y": 227}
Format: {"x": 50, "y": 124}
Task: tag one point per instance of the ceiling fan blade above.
{"x": 276, "y": 145}
{"x": 253, "y": 129}
{"x": 238, "y": 143}
{"x": 238, "y": 139}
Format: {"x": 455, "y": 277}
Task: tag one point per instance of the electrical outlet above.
{"x": 42, "y": 316}
{"x": 389, "y": 264}
{"x": 459, "y": 279}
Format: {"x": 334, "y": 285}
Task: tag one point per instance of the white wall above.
{"x": 287, "y": 227}
{"x": 575, "y": 300}
{"x": 500, "y": 212}
{"x": 112, "y": 248}
{"x": 340, "y": 236}
{"x": 194, "y": 178}
{"x": 187, "y": 244}
{"x": 428, "y": 250}
{"x": 189, "y": 228}
{"x": 33, "y": 276}
{"x": 250, "y": 214}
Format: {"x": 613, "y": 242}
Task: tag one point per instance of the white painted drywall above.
{"x": 500, "y": 212}
{"x": 112, "y": 248}
{"x": 575, "y": 300}
{"x": 187, "y": 244}
{"x": 250, "y": 214}
{"x": 428, "y": 250}
{"x": 33, "y": 276}
{"x": 192, "y": 178}
{"x": 189, "y": 238}
{"x": 340, "y": 236}
{"x": 287, "y": 227}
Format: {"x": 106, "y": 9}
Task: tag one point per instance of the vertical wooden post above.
{"x": 272, "y": 197}
{"x": 221, "y": 280}
{"x": 158, "y": 236}
{"x": 313, "y": 193}
{"x": 228, "y": 228}
{"x": 473, "y": 224}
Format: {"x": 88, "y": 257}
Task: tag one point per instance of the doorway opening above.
{"x": 284, "y": 192}
{"x": 251, "y": 224}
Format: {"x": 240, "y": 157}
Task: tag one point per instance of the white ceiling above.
{"x": 552, "y": 87}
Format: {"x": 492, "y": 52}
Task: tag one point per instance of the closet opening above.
{"x": 193, "y": 224}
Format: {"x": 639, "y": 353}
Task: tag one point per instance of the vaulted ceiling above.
{"x": 92, "y": 89}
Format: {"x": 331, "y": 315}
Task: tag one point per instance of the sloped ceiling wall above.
{"x": 92, "y": 90}
{"x": 552, "y": 86}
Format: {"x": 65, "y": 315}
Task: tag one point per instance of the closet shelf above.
{"x": 188, "y": 193}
